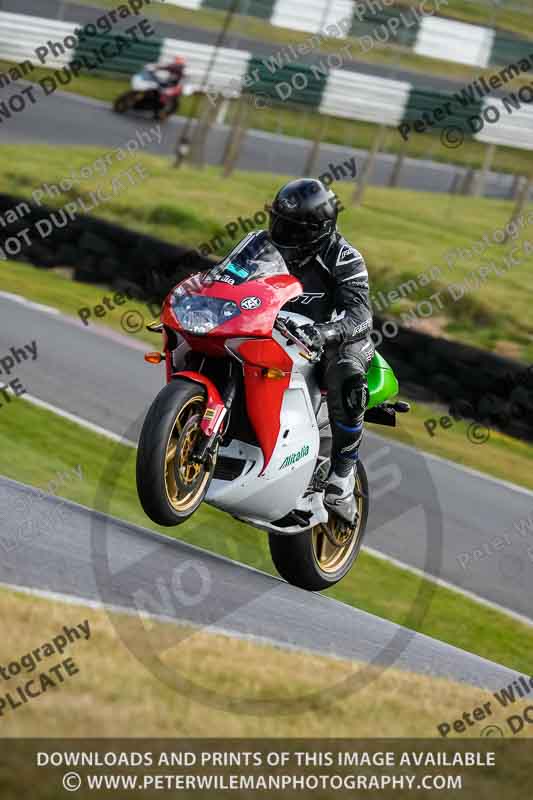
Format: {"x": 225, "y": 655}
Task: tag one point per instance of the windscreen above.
{"x": 254, "y": 257}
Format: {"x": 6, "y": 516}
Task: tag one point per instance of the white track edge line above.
{"x": 469, "y": 470}
{"x": 414, "y": 570}
{"x": 98, "y": 605}
{"x": 91, "y": 426}
{"x": 451, "y": 586}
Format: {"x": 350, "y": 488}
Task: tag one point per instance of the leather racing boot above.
{"x": 339, "y": 494}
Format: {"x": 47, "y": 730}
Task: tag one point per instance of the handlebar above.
{"x": 306, "y": 352}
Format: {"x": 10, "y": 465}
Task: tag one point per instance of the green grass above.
{"x": 501, "y": 456}
{"x": 291, "y": 121}
{"x": 56, "y": 289}
{"x": 36, "y": 445}
{"x": 402, "y": 234}
{"x": 100, "y": 86}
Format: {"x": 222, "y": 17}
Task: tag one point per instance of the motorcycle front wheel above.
{"x": 168, "y": 110}
{"x": 319, "y": 558}
{"x": 125, "y": 102}
{"x": 170, "y": 484}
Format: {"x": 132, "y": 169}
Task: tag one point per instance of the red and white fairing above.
{"x": 281, "y": 395}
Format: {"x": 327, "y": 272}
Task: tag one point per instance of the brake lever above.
{"x": 309, "y": 355}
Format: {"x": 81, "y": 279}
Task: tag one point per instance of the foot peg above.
{"x": 401, "y": 406}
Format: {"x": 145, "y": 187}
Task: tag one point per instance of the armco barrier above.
{"x": 229, "y": 67}
{"x": 425, "y": 33}
{"x": 331, "y": 91}
{"x": 21, "y": 35}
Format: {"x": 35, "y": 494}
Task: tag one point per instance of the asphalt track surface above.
{"x": 425, "y": 512}
{"x": 64, "y": 119}
{"x": 114, "y": 562}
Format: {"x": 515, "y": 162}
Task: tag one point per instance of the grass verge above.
{"x": 99, "y": 702}
{"x": 401, "y": 233}
{"x": 36, "y": 446}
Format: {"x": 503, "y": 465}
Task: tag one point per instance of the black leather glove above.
{"x": 315, "y": 337}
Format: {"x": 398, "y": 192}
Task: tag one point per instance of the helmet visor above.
{"x": 292, "y": 233}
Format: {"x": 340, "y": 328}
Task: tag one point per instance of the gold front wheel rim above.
{"x": 183, "y": 493}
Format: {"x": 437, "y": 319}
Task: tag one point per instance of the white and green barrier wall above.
{"x": 333, "y": 92}
{"x": 424, "y": 30}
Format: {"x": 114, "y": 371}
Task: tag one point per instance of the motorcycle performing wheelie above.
{"x": 241, "y": 423}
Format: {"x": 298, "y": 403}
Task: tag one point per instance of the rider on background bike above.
{"x": 166, "y": 74}
{"x": 303, "y": 226}
{"x": 176, "y": 67}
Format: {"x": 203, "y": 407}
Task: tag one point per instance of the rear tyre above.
{"x": 320, "y": 558}
{"x": 167, "y": 111}
{"x": 170, "y": 484}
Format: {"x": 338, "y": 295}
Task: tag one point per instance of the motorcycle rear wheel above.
{"x": 170, "y": 484}
{"x": 311, "y": 559}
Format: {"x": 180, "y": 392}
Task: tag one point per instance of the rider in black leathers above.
{"x": 303, "y": 226}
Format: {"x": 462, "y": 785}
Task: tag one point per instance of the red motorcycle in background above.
{"x": 156, "y": 88}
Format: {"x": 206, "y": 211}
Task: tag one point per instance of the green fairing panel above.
{"x": 382, "y": 383}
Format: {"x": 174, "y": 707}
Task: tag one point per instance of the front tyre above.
{"x": 170, "y": 484}
{"x": 125, "y": 102}
{"x": 320, "y": 558}
{"x": 168, "y": 110}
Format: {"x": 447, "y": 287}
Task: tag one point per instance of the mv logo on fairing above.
{"x": 250, "y": 303}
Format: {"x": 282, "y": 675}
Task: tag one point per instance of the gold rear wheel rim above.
{"x": 183, "y": 494}
{"x": 328, "y": 557}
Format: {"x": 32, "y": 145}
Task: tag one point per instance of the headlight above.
{"x": 198, "y": 314}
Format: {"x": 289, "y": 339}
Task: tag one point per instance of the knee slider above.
{"x": 355, "y": 395}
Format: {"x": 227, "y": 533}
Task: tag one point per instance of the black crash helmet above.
{"x": 303, "y": 215}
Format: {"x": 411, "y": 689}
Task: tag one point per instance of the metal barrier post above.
{"x": 235, "y": 138}
{"x": 479, "y": 184}
{"x": 369, "y": 165}
{"x": 314, "y": 153}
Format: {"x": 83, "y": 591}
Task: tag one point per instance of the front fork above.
{"x": 216, "y": 415}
